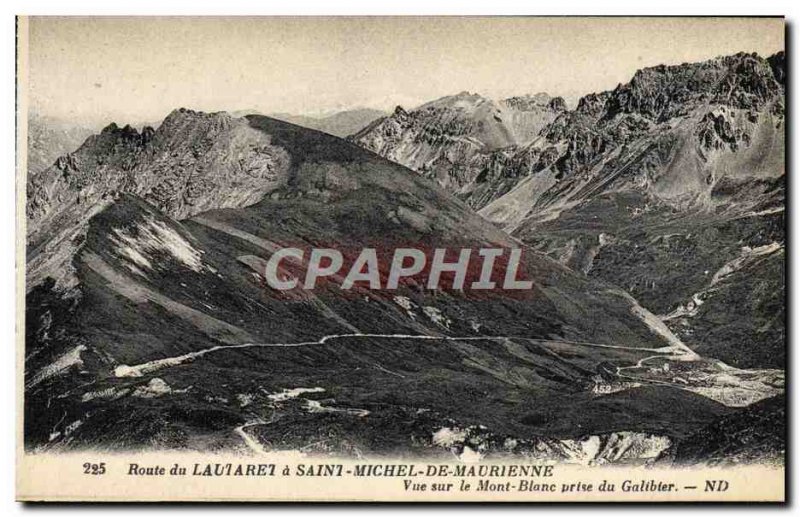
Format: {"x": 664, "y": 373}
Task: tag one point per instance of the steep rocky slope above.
{"x": 164, "y": 334}
{"x": 672, "y": 187}
{"x": 456, "y": 139}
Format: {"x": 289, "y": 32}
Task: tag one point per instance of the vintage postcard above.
{"x": 401, "y": 259}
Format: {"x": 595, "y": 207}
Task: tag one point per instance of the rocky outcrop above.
{"x": 663, "y": 92}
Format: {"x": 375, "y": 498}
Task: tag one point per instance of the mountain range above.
{"x": 651, "y": 222}
{"x": 671, "y": 186}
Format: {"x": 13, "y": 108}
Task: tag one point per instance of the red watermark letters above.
{"x": 455, "y": 269}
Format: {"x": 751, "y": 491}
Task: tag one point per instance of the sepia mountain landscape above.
{"x": 651, "y": 219}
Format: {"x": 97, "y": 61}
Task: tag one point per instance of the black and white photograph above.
{"x": 478, "y": 251}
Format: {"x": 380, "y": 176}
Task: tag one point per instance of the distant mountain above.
{"x": 149, "y": 322}
{"x": 455, "y": 140}
{"x": 50, "y": 138}
{"x": 342, "y": 123}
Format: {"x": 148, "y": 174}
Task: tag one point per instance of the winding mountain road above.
{"x": 158, "y": 364}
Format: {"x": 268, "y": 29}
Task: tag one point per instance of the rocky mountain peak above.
{"x": 183, "y": 121}
{"x": 557, "y": 104}
{"x": 193, "y": 162}
{"x": 455, "y": 139}
{"x": 113, "y": 136}
{"x": 593, "y": 104}
{"x": 742, "y": 81}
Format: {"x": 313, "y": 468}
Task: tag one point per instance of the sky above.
{"x": 138, "y": 69}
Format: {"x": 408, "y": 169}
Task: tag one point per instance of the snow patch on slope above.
{"x": 314, "y": 406}
{"x": 292, "y": 393}
{"x": 406, "y": 304}
{"x": 142, "y": 246}
{"x": 446, "y": 436}
{"x": 436, "y": 316}
{"x": 106, "y": 394}
{"x": 739, "y": 262}
{"x": 59, "y": 366}
{"x": 153, "y": 389}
